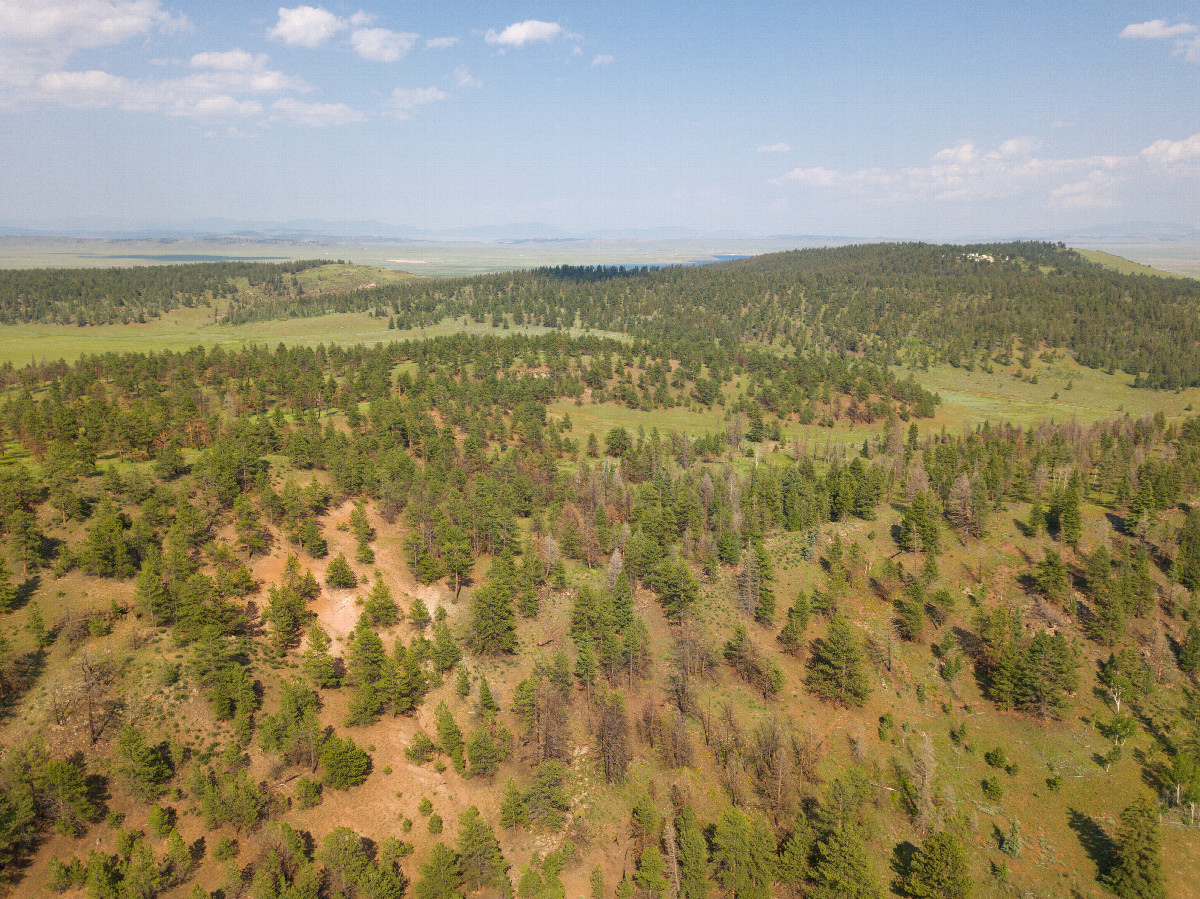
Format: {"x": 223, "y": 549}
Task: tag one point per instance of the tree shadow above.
{"x": 1117, "y": 523}
{"x": 1092, "y": 837}
{"x": 902, "y": 857}
{"x": 25, "y": 592}
{"x": 24, "y": 673}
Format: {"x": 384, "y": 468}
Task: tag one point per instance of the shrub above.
{"x": 308, "y": 793}
{"x": 345, "y": 764}
{"x": 993, "y": 789}
{"x": 225, "y": 849}
{"x": 996, "y": 757}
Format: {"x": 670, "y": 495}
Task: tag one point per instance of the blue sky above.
{"x": 914, "y": 120}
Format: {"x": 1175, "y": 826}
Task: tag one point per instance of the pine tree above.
{"x": 418, "y": 614}
{"x": 450, "y": 739}
{"x": 339, "y": 575}
{"x": 1070, "y": 517}
{"x": 445, "y": 652}
{"x": 837, "y": 671}
{"x": 439, "y": 875}
{"x": 8, "y": 594}
{"x": 487, "y": 703}
{"x": 938, "y": 870}
{"x": 1137, "y": 872}
{"x": 379, "y": 605}
{"x": 585, "y": 664}
{"x": 513, "y": 813}
{"x": 319, "y": 665}
{"x": 493, "y": 625}
{"x": 649, "y": 875}
{"x": 694, "y": 868}
{"x": 841, "y": 869}
{"x": 791, "y": 636}
{"x": 765, "y": 612}
{"x": 480, "y": 861}
{"x": 744, "y": 855}
{"x": 1187, "y": 559}
{"x": 1189, "y": 651}
{"x": 793, "y": 857}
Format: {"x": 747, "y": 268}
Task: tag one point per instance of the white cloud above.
{"x": 229, "y": 60}
{"x": 602, "y": 59}
{"x": 463, "y": 78}
{"x": 520, "y": 33}
{"x": 306, "y": 26}
{"x": 441, "y": 43}
{"x": 1093, "y": 192}
{"x": 780, "y": 147}
{"x": 1157, "y": 30}
{"x": 82, "y": 23}
{"x": 381, "y": 44}
{"x": 40, "y": 36}
{"x": 316, "y": 115}
{"x": 1173, "y": 152}
{"x": 1184, "y": 35}
{"x": 966, "y": 172}
{"x": 197, "y": 96}
{"x": 405, "y": 100}
{"x": 89, "y": 90}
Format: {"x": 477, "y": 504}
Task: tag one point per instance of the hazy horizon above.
{"x": 910, "y": 122}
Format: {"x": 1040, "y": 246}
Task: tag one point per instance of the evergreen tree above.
{"x": 480, "y": 862}
{"x": 338, "y": 574}
{"x": 8, "y": 593}
{"x": 513, "y": 813}
{"x": 1053, "y": 577}
{"x": 439, "y": 875}
{"x": 493, "y": 623}
{"x": 649, "y": 875}
{"x": 1187, "y": 559}
{"x": 445, "y": 652}
{"x": 791, "y": 636}
{"x": 694, "y": 868}
{"x": 319, "y": 665}
{"x": 744, "y": 855}
{"x": 1070, "y": 516}
{"x": 1137, "y": 872}
{"x": 1189, "y": 651}
{"x": 379, "y": 605}
{"x": 64, "y": 793}
{"x": 840, "y": 867}
{"x": 837, "y": 670}
{"x": 937, "y": 870}
{"x": 793, "y": 857}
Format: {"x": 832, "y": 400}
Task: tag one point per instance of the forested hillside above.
{"x": 435, "y": 617}
{"x": 914, "y": 303}
{"x": 104, "y": 296}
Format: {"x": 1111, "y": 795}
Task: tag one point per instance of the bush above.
{"x": 996, "y": 757}
{"x": 421, "y": 749}
{"x": 339, "y": 575}
{"x": 66, "y": 875}
{"x": 345, "y": 764}
{"x": 225, "y": 849}
{"x": 159, "y": 821}
{"x": 308, "y": 793}
{"x": 435, "y": 823}
{"x": 993, "y": 789}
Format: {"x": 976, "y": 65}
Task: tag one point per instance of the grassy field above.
{"x": 183, "y": 329}
{"x": 1125, "y": 266}
{"x": 425, "y": 257}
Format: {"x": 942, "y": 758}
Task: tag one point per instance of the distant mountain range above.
{"x": 320, "y": 229}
